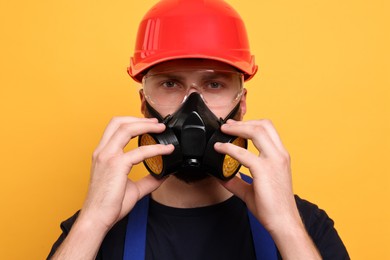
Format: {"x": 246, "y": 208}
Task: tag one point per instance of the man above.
{"x": 192, "y": 57}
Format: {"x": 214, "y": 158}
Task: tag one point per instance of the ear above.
{"x": 243, "y": 104}
{"x": 142, "y": 98}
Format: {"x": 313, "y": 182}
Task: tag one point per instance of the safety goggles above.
{"x": 218, "y": 88}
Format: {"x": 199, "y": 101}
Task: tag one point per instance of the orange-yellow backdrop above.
{"x": 324, "y": 81}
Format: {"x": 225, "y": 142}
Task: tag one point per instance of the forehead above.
{"x": 190, "y": 64}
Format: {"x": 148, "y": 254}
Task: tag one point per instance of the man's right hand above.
{"x": 111, "y": 195}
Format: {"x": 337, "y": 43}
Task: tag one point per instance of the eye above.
{"x": 214, "y": 85}
{"x": 169, "y": 84}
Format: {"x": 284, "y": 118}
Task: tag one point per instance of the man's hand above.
{"x": 111, "y": 195}
{"x": 270, "y": 198}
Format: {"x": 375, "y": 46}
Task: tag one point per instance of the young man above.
{"x": 192, "y": 57}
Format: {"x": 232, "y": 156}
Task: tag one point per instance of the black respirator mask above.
{"x": 193, "y": 129}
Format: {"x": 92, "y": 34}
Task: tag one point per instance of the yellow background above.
{"x": 323, "y": 81}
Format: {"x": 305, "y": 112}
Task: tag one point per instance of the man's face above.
{"x": 166, "y": 86}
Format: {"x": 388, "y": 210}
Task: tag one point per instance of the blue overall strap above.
{"x": 264, "y": 244}
{"x": 135, "y": 241}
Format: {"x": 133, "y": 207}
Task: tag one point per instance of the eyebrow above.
{"x": 216, "y": 75}
{"x": 205, "y": 76}
{"x": 171, "y": 75}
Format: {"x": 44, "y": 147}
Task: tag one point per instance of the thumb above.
{"x": 148, "y": 184}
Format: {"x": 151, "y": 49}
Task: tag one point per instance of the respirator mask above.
{"x": 193, "y": 130}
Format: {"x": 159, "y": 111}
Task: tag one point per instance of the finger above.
{"x": 271, "y": 130}
{"x": 144, "y": 152}
{"x": 242, "y": 155}
{"x": 238, "y": 187}
{"x": 268, "y": 126}
{"x": 125, "y": 132}
{"x": 257, "y": 133}
{"x": 114, "y": 124}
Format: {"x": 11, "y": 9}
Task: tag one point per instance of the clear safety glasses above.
{"x": 218, "y": 88}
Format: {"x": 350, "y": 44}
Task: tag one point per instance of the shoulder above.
{"x": 310, "y": 212}
{"x": 316, "y": 220}
{"x": 321, "y": 229}
{"x": 66, "y": 226}
{"x": 112, "y": 245}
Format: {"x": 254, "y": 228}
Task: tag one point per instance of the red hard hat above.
{"x": 181, "y": 29}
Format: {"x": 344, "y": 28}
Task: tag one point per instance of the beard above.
{"x": 190, "y": 176}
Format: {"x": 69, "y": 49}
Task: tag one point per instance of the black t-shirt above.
{"x": 221, "y": 231}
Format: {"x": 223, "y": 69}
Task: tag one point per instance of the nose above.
{"x": 193, "y": 88}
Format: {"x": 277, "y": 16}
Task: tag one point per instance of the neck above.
{"x": 179, "y": 194}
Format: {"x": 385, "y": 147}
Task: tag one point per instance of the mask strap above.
{"x": 156, "y": 114}
{"x": 231, "y": 114}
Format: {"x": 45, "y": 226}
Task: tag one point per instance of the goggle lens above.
{"x": 217, "y": 87}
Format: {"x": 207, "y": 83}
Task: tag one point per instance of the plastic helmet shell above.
{"x": 183, "y": 29}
